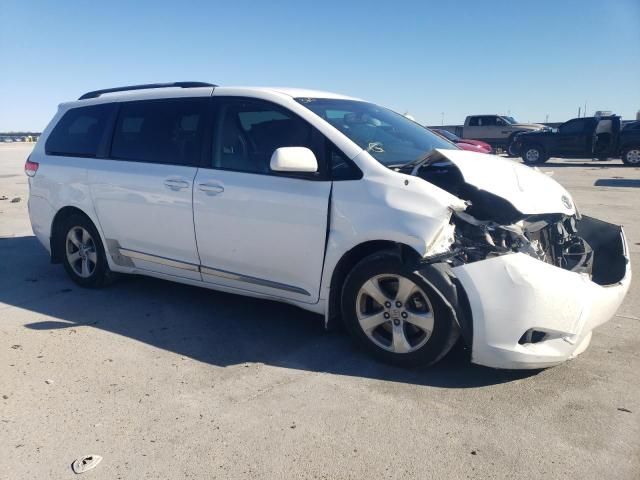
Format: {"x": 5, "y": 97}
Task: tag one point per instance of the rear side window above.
{"x": 79, "y": 131}
{"x": 160, "y": 131}
{"x": 474, "y": 122}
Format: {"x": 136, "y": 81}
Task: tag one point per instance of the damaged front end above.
{"x": 552, "y": 239}
{"x": 528, "y": 279}
{"x": 491, "y": 225}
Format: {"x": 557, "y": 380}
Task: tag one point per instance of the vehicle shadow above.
{"x": 216, "y": 328}
{"x": 617, "y": 182}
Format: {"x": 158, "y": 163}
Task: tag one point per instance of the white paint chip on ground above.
{"x": 86, "y": 463}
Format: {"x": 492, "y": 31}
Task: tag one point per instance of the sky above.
{"x": 437, "y": 60}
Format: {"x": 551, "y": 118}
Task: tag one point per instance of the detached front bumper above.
{"x": 529, "y": 314}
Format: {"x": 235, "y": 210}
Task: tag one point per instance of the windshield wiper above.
{"x": 413, "y": 165}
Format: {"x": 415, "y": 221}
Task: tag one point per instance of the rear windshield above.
{"x": 79, "y": 131}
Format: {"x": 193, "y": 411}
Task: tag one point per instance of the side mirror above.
{"x": 294, "y": 159}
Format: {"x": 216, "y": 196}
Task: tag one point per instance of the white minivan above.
{"x": 333, "y": 204}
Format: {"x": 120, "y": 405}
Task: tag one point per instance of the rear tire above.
{"x": 82, "y": 252}
{"x": 533, "y": 155}
{"x": 631, "y": 156}
{"x": 408, "y": 325}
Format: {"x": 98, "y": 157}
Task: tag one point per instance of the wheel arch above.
{"x": 56, "y": 226}
{"x": 630, "y": 145}
{"x": 513, "y": 134}
{"x": 348, "y": 260}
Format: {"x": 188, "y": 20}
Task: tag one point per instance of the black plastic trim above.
{"x": 442, "y": 279}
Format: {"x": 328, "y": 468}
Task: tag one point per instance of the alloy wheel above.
{"x": 532, "y": 155}
{"x": 80, "y": 249}
{"x": 395, "y": 313}
{"x": 633, "y": 156}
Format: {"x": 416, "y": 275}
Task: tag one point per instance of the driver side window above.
{"x": 573, "y": 127}
{"x": 249, "y": 131}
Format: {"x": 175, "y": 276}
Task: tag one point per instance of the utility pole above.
{"x": 578, "y": 112}
{"x": 546, "y": 118}
{"x": 442, "y": 118}
{"x": 585, "y": 108}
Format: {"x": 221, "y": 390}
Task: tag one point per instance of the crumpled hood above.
{"x": 529, "y": 190}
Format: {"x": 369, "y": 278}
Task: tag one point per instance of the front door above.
{"x": 143, "y": 192}
{"x": 258, "y": 230}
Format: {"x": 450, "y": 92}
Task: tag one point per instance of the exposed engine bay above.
{"x": 492, "y": 226}
{"x": 551, "y": 240}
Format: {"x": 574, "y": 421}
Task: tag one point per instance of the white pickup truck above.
{"x": 496, "y": 130}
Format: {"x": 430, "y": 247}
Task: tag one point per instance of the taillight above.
{"x": 30, "y": 168}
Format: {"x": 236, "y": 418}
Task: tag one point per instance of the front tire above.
{"x": 533, "y": 155}
{"x": 392, "y": 313}
{"x": 631, "y": 156}
{"x": 512, "y": 151}
{"x": 82, "y": 252}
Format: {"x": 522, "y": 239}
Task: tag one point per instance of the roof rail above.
{"x": 97, "y": 93}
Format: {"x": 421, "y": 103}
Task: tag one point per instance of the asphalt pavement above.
{"x": 168, "y": 381}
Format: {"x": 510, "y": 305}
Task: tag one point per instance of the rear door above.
{"x": 142, "y": 192}
{"x": 472, "y": 129}
{"x": 482, "y": 128}
{"x": 575, "y": 138}
{"x": 257, "y": 230}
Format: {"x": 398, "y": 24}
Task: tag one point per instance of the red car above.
{"x": 464, "y": 143}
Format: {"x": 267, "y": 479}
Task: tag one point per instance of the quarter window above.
{"x": 341, "y": 168}
{"x": 79, "y": 131}
{"x": 160, "y": 131}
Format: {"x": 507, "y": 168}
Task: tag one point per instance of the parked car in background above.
{"x": 470, "y": 145}
{"x": 585, "y": 137}
{"x": 330, "y": 203}
{"x": 496, "y": 130}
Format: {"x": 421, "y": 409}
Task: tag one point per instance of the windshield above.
{"x": 389, "y": 137}
{"x": 510, "y": 120}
